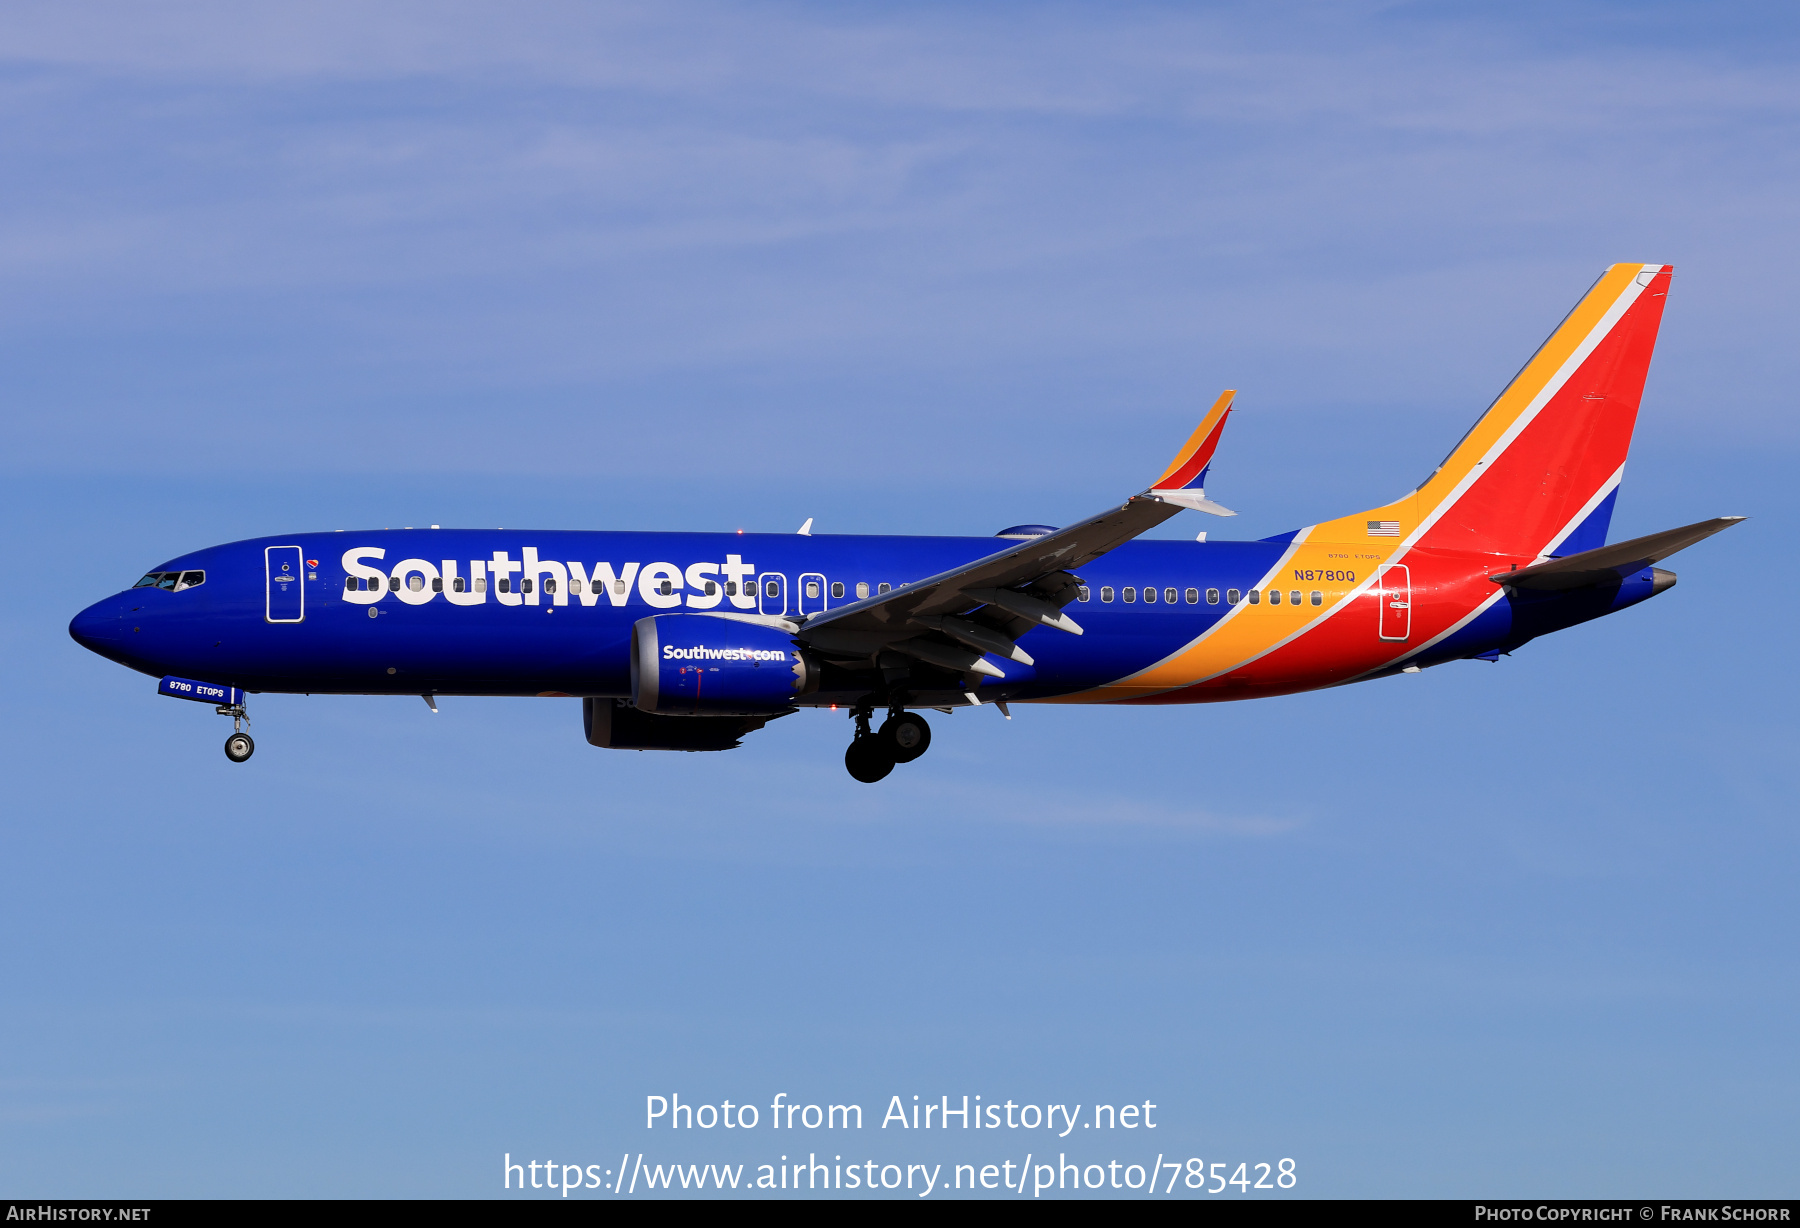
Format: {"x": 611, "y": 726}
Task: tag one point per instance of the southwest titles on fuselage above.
{"x": 665, "y": 586}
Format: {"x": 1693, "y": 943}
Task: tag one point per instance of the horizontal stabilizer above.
{"x": 1611, "y": 562}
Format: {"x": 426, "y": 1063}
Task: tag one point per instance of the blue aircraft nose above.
{"x": 99, "y": 626}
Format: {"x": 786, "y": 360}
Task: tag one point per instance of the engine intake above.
{"x": 711, "y": 665}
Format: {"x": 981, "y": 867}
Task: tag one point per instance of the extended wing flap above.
{"x": 1611, "y": 562}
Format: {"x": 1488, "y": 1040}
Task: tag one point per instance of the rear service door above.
{"x": 1395, "y": 590}
{"x": 286, "y": 584}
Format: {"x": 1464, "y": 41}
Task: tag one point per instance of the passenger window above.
{"x": 731, "y": 588}
{"x": 837, "y": 588}
{"x": 712, "y": 589}
{"x": 505, "y": 584}
{"x": 884, "y": 588}
{"x": 666, "y": 587}
{"x": 525, "y": 585}
{"x": 416, "y": 582}
{"x": 1169, "y": 596}
{"x": 1255, "y": 597}
{"x": 1294, "y": 597}
{"x": 457, "y": 584}
{"x": 1274, "y": 596}
{"x": 619, "y": 587}
{"x": 1193, "y": 597}
{"x": 812, "y": 588}
{"x": 1212, "y": 597}
{"x": 1232, "y": 596}
{"x": 1106, "y": 593}
{"x": 191, "y": 579}
{"x": 1318, "y": 598}
{"x": 1129, "y": 593}
{"x": 549, "y": 584}
{"x": 862, "y": 588}
{"x": 481, "y": 585}
{"x": 1149, "y": 595}
{"x": 350, "y": 584}
{"x": 772, "y": 588}
{"x": 149, "y": 581}
{"x": 394, "y": 584}
{"x": 437, "y": 584}
{"x": 1083, "y": 592}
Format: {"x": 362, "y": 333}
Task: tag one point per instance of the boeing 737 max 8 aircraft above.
{"x": 689, "y": 641}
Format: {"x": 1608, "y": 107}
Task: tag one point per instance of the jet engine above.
{"x": 714, "y": 665}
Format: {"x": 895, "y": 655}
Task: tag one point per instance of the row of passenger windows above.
{"x": 416, "y": 582}
{"x": 174, "y": 581}
{"x": 1192, "y": 596}
{"x": 772, "y": 588}
{"x": 837, "y": 589}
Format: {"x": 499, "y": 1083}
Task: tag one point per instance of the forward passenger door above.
{"x": 284, "y": 585}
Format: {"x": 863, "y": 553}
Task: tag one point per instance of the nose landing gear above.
{"x": 902, "y": 738}
{"x": 239, "y": 746}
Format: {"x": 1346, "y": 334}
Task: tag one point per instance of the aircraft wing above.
{"x": 1611, "y": 562}
{"x": 952, "y": 619}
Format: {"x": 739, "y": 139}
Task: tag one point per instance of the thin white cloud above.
{"x": 442, "y": 200}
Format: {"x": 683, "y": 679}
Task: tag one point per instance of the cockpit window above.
{"x": 174, "y": 581}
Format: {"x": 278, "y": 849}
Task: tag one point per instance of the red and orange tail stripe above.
{"x": 1541, "y": 457}
{"x": 1558, "y": 432}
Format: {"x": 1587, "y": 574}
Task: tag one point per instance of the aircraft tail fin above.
{"x": 1538, "y": 472}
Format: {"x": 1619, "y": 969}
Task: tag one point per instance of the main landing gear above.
{"x": 903, "y": 737}
{"x": 239, "y": 746}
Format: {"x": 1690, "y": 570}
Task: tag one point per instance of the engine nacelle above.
{"x": 710, "y": 665}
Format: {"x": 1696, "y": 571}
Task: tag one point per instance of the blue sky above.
{"x": 1522, "y": 929}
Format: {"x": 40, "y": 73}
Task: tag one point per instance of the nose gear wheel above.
{"x": 239, "y": 746}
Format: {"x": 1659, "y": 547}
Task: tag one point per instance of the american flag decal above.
{"x": 1384, "y": 528}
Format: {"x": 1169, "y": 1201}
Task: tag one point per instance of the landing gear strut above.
{"x": 902, "y": 738}
{"x": 868, "y": 758}
{"x": 239, "y": 746}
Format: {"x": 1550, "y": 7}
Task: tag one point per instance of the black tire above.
{"x": 907, "y": 736}
{"x": 239, "y": 747}
{"x": 868, "y": 760}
